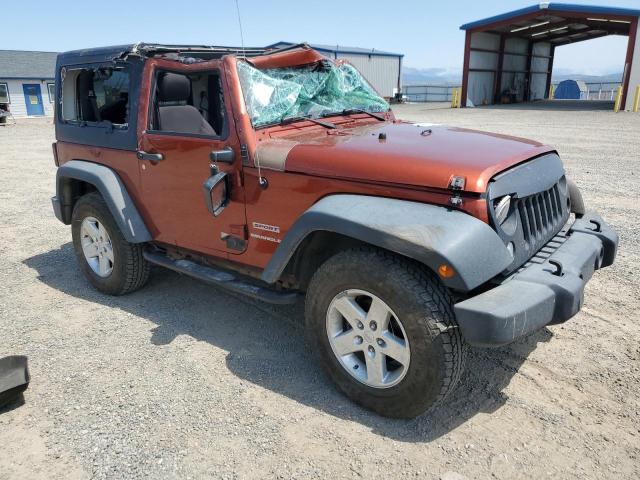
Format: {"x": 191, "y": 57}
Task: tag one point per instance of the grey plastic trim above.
{"x": 14, "y": 378}
{"x": 528, "y": 178}
{"x": 577, "y": 202}
{"x": 542, "y": 293}
{"x": 430, "y": 234}
{"x": 57, "y": 208}
{"x": 115, "y": 194}
{"x": 535, "y": 176}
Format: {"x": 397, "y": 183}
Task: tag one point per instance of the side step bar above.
{"x": 221, "y": 278}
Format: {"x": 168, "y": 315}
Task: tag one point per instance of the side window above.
{"x": 188, "y": 104}
{"x": 4, "y": 93}
{"x": 96, "y": 95}
{"x": 51, "y": 87}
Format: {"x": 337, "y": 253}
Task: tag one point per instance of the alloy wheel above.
{"x": 96, "y": 246}
{"x": 368, "y": 338}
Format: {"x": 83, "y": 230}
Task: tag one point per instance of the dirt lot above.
{"x": 179, "y": 380}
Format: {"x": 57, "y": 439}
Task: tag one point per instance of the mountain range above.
{"x": 443, "y": 76}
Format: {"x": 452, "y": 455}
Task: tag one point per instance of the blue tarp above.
{"x": 570, "y": 90}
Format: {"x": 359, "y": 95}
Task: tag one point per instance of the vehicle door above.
{"x": 189, "y": 160}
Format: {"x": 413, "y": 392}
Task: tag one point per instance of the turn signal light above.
{"x": 446, "y": 271}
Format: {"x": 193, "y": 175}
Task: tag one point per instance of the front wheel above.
{"x": 384, "y": 329}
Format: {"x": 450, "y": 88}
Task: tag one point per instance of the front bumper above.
{"x": 548, "y": 290}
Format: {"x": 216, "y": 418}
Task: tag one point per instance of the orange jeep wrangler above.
{"x": 278, "y": 173}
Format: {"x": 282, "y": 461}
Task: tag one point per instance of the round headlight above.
{"x": 501, "y": 208}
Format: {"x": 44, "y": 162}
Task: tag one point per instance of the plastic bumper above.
{"x": 57, "y": 208}
{"x": 542, "y": 293}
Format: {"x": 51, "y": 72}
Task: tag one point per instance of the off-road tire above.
{"x": 130, "y": 269}
{"x": 424, "y": 306}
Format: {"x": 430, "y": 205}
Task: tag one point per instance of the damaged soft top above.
{"x": 177, "y": 52}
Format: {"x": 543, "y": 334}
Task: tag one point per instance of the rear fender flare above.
{"x": 113, "y": 191}
{"x": 431, "y": 234}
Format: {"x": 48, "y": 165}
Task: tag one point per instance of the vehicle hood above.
{"x": 415, "y": 154}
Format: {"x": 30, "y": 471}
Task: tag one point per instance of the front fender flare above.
{"x": 430, "y": 234}
{"x": 113, "y": 191}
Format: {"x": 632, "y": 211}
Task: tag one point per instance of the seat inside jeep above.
{"x": 189, "y": 104}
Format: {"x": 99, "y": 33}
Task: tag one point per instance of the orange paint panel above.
{"x": 289, "y": 195}
{"x": 288, "y": 58}
{"x": 124, "y": 163}
{"x": 172, "y": 190}
{"x": 400, "y": 153}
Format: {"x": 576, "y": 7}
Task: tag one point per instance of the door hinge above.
{"x": 244, "y": 154}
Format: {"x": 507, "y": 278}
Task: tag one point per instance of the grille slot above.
{"x": 541, "y": 215}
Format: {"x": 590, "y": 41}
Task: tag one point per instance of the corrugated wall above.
{"x": 514, "y": 81}
{"x": 538, "y": 86}
{"x": 381, "y": 71}
{"x": 516, "y": 73}
{"x": 18, "y": 106}
{"x": 480, "y": 87}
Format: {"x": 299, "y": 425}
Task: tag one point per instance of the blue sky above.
{"x": 426, "y": 32}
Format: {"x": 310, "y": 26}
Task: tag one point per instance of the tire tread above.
{"x": 437, "y": 302}
{"x": 136, "y": 268}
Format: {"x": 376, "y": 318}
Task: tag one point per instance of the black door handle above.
{"x": 152, "y": 157}
{"x": 222, "y": 156}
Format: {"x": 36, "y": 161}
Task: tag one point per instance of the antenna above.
{"x": 240, "y": 25}
{"x": 264, "y": 184}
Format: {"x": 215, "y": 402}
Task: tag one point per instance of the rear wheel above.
{"x": 110, "y": 263}
{"x": 384, "y": 330}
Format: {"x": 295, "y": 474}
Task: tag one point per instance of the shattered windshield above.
{"x": 273, "y": 95}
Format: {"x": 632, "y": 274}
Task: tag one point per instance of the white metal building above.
{"x": 381, "y": 69}
{"x": 27, "y": 82}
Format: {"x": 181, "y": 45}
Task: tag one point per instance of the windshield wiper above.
{"x": 348, "y": 111}
{"x": 285, "y": 121}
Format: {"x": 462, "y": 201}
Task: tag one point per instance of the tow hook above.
{"x": 558, "y": 265}
{"x": 597, "y": 225}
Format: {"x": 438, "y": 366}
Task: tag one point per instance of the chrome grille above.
{"x": 542, "y": 215}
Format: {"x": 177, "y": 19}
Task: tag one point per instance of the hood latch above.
{"x": 456, "y": 183}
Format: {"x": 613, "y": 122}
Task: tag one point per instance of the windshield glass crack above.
{"x": 311, "y": 91}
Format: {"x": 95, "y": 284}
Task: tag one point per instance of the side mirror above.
{"x": 216, "y": 193}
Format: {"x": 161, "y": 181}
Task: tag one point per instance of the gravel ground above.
{"x": 180, "y": 380}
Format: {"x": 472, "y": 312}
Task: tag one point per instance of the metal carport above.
{"x": 512, "y": 54}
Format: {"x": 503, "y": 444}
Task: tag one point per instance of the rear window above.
{"x": 96, "y": 95}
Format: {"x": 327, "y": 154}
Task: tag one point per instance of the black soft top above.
{"x": 148, "y": 50}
